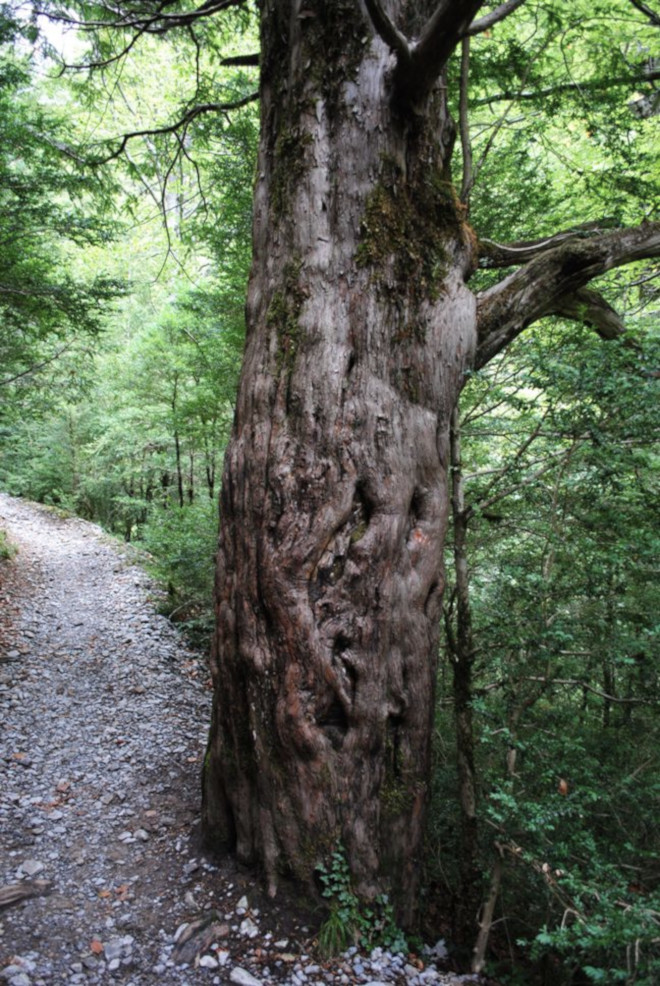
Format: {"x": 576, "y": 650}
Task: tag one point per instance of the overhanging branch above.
{"x": 150, "y": 17}
{"x": 631, "y": 80}
{"x": 553, "y": 282}
{"x": 646, "y": 10}
{"x": 486, "y": 22}
{"x": 173, "y": 128}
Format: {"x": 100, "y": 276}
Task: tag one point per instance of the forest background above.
{"x": 124, "y": 265}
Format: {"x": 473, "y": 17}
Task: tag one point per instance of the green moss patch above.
{"x": 404, "y": 233}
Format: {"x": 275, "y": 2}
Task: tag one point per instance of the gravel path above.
{"x": 103, "y": 716}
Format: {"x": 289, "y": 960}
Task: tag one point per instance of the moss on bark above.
{"x": 405, "y": 229}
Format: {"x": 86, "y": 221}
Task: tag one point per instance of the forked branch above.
{"x": 421, "y": 61}
{"x": 388, "y": 30}
{"x": 429, "y": 55}
{"x": 554, "y": 283}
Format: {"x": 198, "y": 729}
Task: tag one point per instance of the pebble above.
{"x": 20, "y": 980}
{"x": 104, "y": 713}
{"x": 31, "y": 867}
{"x": 242, "y": 977}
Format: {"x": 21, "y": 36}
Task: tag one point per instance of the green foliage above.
{"x": 128, "y": 428}
{"x": 7, "y": 549}
{"x": 183, "y": 543}
{"x": 560, "y": 446}
{"x": 552, "y": 108}
{"x": 613, "y": 938}
{"x": 352, "y": 921}
{"x": 49, "y": 212}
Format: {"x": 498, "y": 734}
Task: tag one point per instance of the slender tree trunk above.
{"x": 334, "y": 498}
{"x": 179, "y": 468}
{"x": 463, "y": 659}
{"x": 191, "y": 476}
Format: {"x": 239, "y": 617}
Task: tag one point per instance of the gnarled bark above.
{"x": 334, "y": 500}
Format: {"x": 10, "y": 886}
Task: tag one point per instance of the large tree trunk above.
{"x": 335, "y": 500}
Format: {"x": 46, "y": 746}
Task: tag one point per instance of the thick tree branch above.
{"x": 387, "y": 30}
{"x": 486, "y": 22}
{"x": 417, "y": 74}
{"x": 551, "y": 283}
{"x": 493, "y": 255}
{"x": 421, "y": 63}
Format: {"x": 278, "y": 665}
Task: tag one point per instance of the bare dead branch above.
{"x": 542, "y": 285}
{"x": 486, "y": 22}
{"x": 246, "y": 60}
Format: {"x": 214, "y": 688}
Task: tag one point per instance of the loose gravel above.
{"x": 103, "y": 718}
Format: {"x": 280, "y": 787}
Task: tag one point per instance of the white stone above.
{"x": 249, "y": 928}
{"x": 208, "y": 962}
{"x": 20, "y": 980}
{"x": 243, "y": 978}
{"x": 31, "y": 867}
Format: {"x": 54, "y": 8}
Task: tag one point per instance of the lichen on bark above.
{"x": 284, "y": 314}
